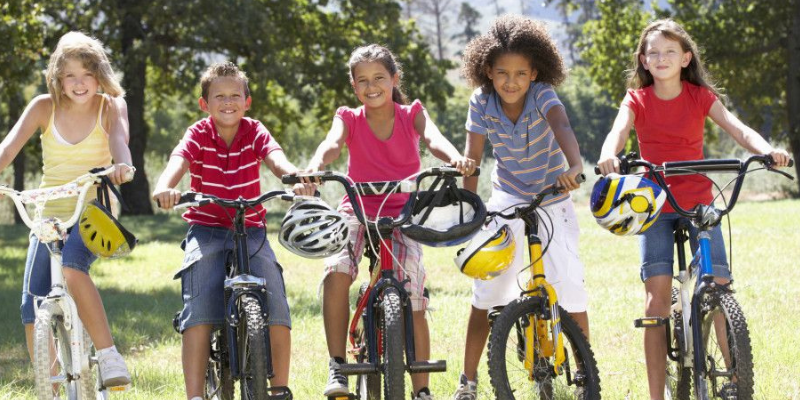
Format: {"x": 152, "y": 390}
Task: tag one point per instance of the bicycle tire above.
{"x": 49, "y": 329}
{"x": 368, "y": 386}
{"x": 393, "y": 346}
{"x": 253, "y": 350}
{"x": 219, "y": 383}
{"x": 90, "y": 379}
{"x": 679, "y": 376}
{"x": 506, "y": 352}
{"x": 720, "y": 383}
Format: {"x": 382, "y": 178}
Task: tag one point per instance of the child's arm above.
{"x": 330, "y": 148}
{"x": 473, "y": 151}
{"x": 165, "y": 194}
{"x": 35, "y": 116}
{"x": 615, "y": 141}
{"x": 118, "y": 136}
{"x": 440, "y": 146}
{"x": 562, "y": 130}
{"x": 280, "y": 165}
{"x": 744, "y": 135}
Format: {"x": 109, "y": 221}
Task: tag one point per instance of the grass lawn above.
{"x": 141, "y": 297}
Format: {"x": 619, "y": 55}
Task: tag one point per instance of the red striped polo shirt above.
{"x": 225, "y": 171}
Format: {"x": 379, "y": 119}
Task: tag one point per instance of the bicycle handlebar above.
{"x": 79, "y": 187}
{"x": 376, "y": 188}
{"x": 194, "y": 199}
{"x": 691, "y": 167}
{"x": 534, "y": 204}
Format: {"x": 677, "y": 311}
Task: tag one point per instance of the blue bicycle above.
{"x": 707, "y": 335}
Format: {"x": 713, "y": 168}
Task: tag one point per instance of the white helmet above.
{"x": 313, "y": 229}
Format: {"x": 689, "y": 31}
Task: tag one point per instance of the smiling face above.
{"x": 511, "y": 77}
{"x": 664, "y": 58}
{"x": 373, "y": 84}
{"x": 77, "y": 83}
{"x": 226, "y": 102}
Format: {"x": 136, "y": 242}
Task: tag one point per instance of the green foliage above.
{"x": 590, "y": 119}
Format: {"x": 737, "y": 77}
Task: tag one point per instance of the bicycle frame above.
{"x": 52, "y": 232}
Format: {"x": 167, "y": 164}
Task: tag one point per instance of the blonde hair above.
{"x": 89, "y": 51}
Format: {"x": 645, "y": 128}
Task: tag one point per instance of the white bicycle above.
{"x": 64, "y": 359}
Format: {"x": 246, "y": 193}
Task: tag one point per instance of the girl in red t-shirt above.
{"x": 669, "y": 97}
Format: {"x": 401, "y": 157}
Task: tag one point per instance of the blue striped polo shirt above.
{"x": 527, "y": 153}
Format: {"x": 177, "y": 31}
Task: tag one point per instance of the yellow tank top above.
{"x": 63, "y": 162}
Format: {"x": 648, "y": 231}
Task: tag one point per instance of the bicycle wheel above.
{"x": 679, "y": 376}
{"x": 578, "y": 378}
{"x": 219, "y": 384}
{"x": 253, "y": 350}
{"x": 393, "y": 345}
{"x": 52, "y": 357}
{"x": 728, "y": 355}
{"x": 90, "y": 379}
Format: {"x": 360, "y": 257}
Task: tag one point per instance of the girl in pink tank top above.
{"x": 382, "y": 137}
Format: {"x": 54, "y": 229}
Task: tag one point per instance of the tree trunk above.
{"x": 793, "y": 88}
{"x": 15, "y": 107}
{"x": 135, "y": 194}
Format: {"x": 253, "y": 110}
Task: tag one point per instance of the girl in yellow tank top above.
{"x": 82, "y": 128}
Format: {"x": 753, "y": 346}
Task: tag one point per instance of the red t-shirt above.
{"x": 223, "y": 171}
{"x": 672, "y": 130}
{"x": 374, "y": 160}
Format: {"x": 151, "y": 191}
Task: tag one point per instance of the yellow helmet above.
{"x": 488, "y": 254}
{"x": 102, "y": 234}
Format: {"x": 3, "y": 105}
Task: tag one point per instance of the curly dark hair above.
{"x": 518, "y": 35}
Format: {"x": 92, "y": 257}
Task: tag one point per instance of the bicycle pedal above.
{"x": 349, "y": 396}
{"x": 118, "y": 389}
{"x": 650, "y": 322}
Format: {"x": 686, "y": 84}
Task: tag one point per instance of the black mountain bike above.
{"x": 240, "y": 351}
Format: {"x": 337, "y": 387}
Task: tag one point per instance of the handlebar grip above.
{"x": 290, "y": 179}
{"x": 791, "y": 163}
{"x": 581, "y": 178}
{"x": 597, "y": 171}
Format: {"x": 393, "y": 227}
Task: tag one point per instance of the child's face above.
{"x": 664, "y": 57}
{"x": 226, "y": 103}
{"x": 511, "y": 76}
{"x": 373, "y": 84}
{"x": 79, "y": 84}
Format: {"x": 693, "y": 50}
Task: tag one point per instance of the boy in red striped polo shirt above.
{"x": 223, "y": 153}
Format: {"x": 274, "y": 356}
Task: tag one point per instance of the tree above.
{"x": 437, "y": 9}
{"x": 469, "y": 17}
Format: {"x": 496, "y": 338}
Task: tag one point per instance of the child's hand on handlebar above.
{"x": 780, "y": 156}
{"x": 166, "y": 198}
{"x": 305, "y": 188}
{"x": 568, "y": 180}
{"x": 122, "y": 173}
{"x": 608, "y": 165}
{"x": 465, "y": 166}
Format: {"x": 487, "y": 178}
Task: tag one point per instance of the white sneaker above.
{"x": 424, "y": 394}
{"x": 337, "y": 382}
{"x": 467, "y": 390}
{"x": 113, "y": 369}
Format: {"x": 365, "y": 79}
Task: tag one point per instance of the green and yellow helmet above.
{"x": 102, "y": 234}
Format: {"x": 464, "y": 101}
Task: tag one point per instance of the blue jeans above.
{"x": 36, "y": 281}
{"x": 203, "y": 276}
{"x": 657, "y": 246}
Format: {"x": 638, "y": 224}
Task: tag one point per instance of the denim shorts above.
{"x": 36, "y": 281}
{"x": 657, "y": 246}
{"x": 203, "y": 276}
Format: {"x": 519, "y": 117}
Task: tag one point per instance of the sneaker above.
{"x": 467, "y": 390}
{"x": 113, "y": 369}
{"x": 337, "y": 383}
{"x": 423, "y": 394}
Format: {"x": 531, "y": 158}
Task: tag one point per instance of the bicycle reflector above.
{"x": 488, "y": 254}
{"x": 626, "y": 204}
{"x": 102, "y": 234}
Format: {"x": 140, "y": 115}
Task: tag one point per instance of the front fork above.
{"x": 236, "y": 288}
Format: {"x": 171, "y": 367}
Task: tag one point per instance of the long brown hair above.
{"x": 378, "y": 53}
{"x": 695, "y": 72}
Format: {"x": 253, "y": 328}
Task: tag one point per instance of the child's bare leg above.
{"x": 582, "y": 319}
{"x": 657, "y": 304}
{"x": 422, "y": 348}
{"x": 336, "y": 312}
{"x": 90, "y": 307}
{"x": 477, "y": 334}
{"x": 29, "y": 339}
{"x": 280, "y": 340}
{"x": 195, "y": 350}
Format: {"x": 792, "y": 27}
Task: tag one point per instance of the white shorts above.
{"x": 562, "y": 265}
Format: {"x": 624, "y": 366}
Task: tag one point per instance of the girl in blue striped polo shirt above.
{"x": 514, "y": 68}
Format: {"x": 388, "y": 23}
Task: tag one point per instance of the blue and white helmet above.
{"x": 626, "y": 204}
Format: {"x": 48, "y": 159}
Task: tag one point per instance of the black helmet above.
{"x": 445, "y": 217}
